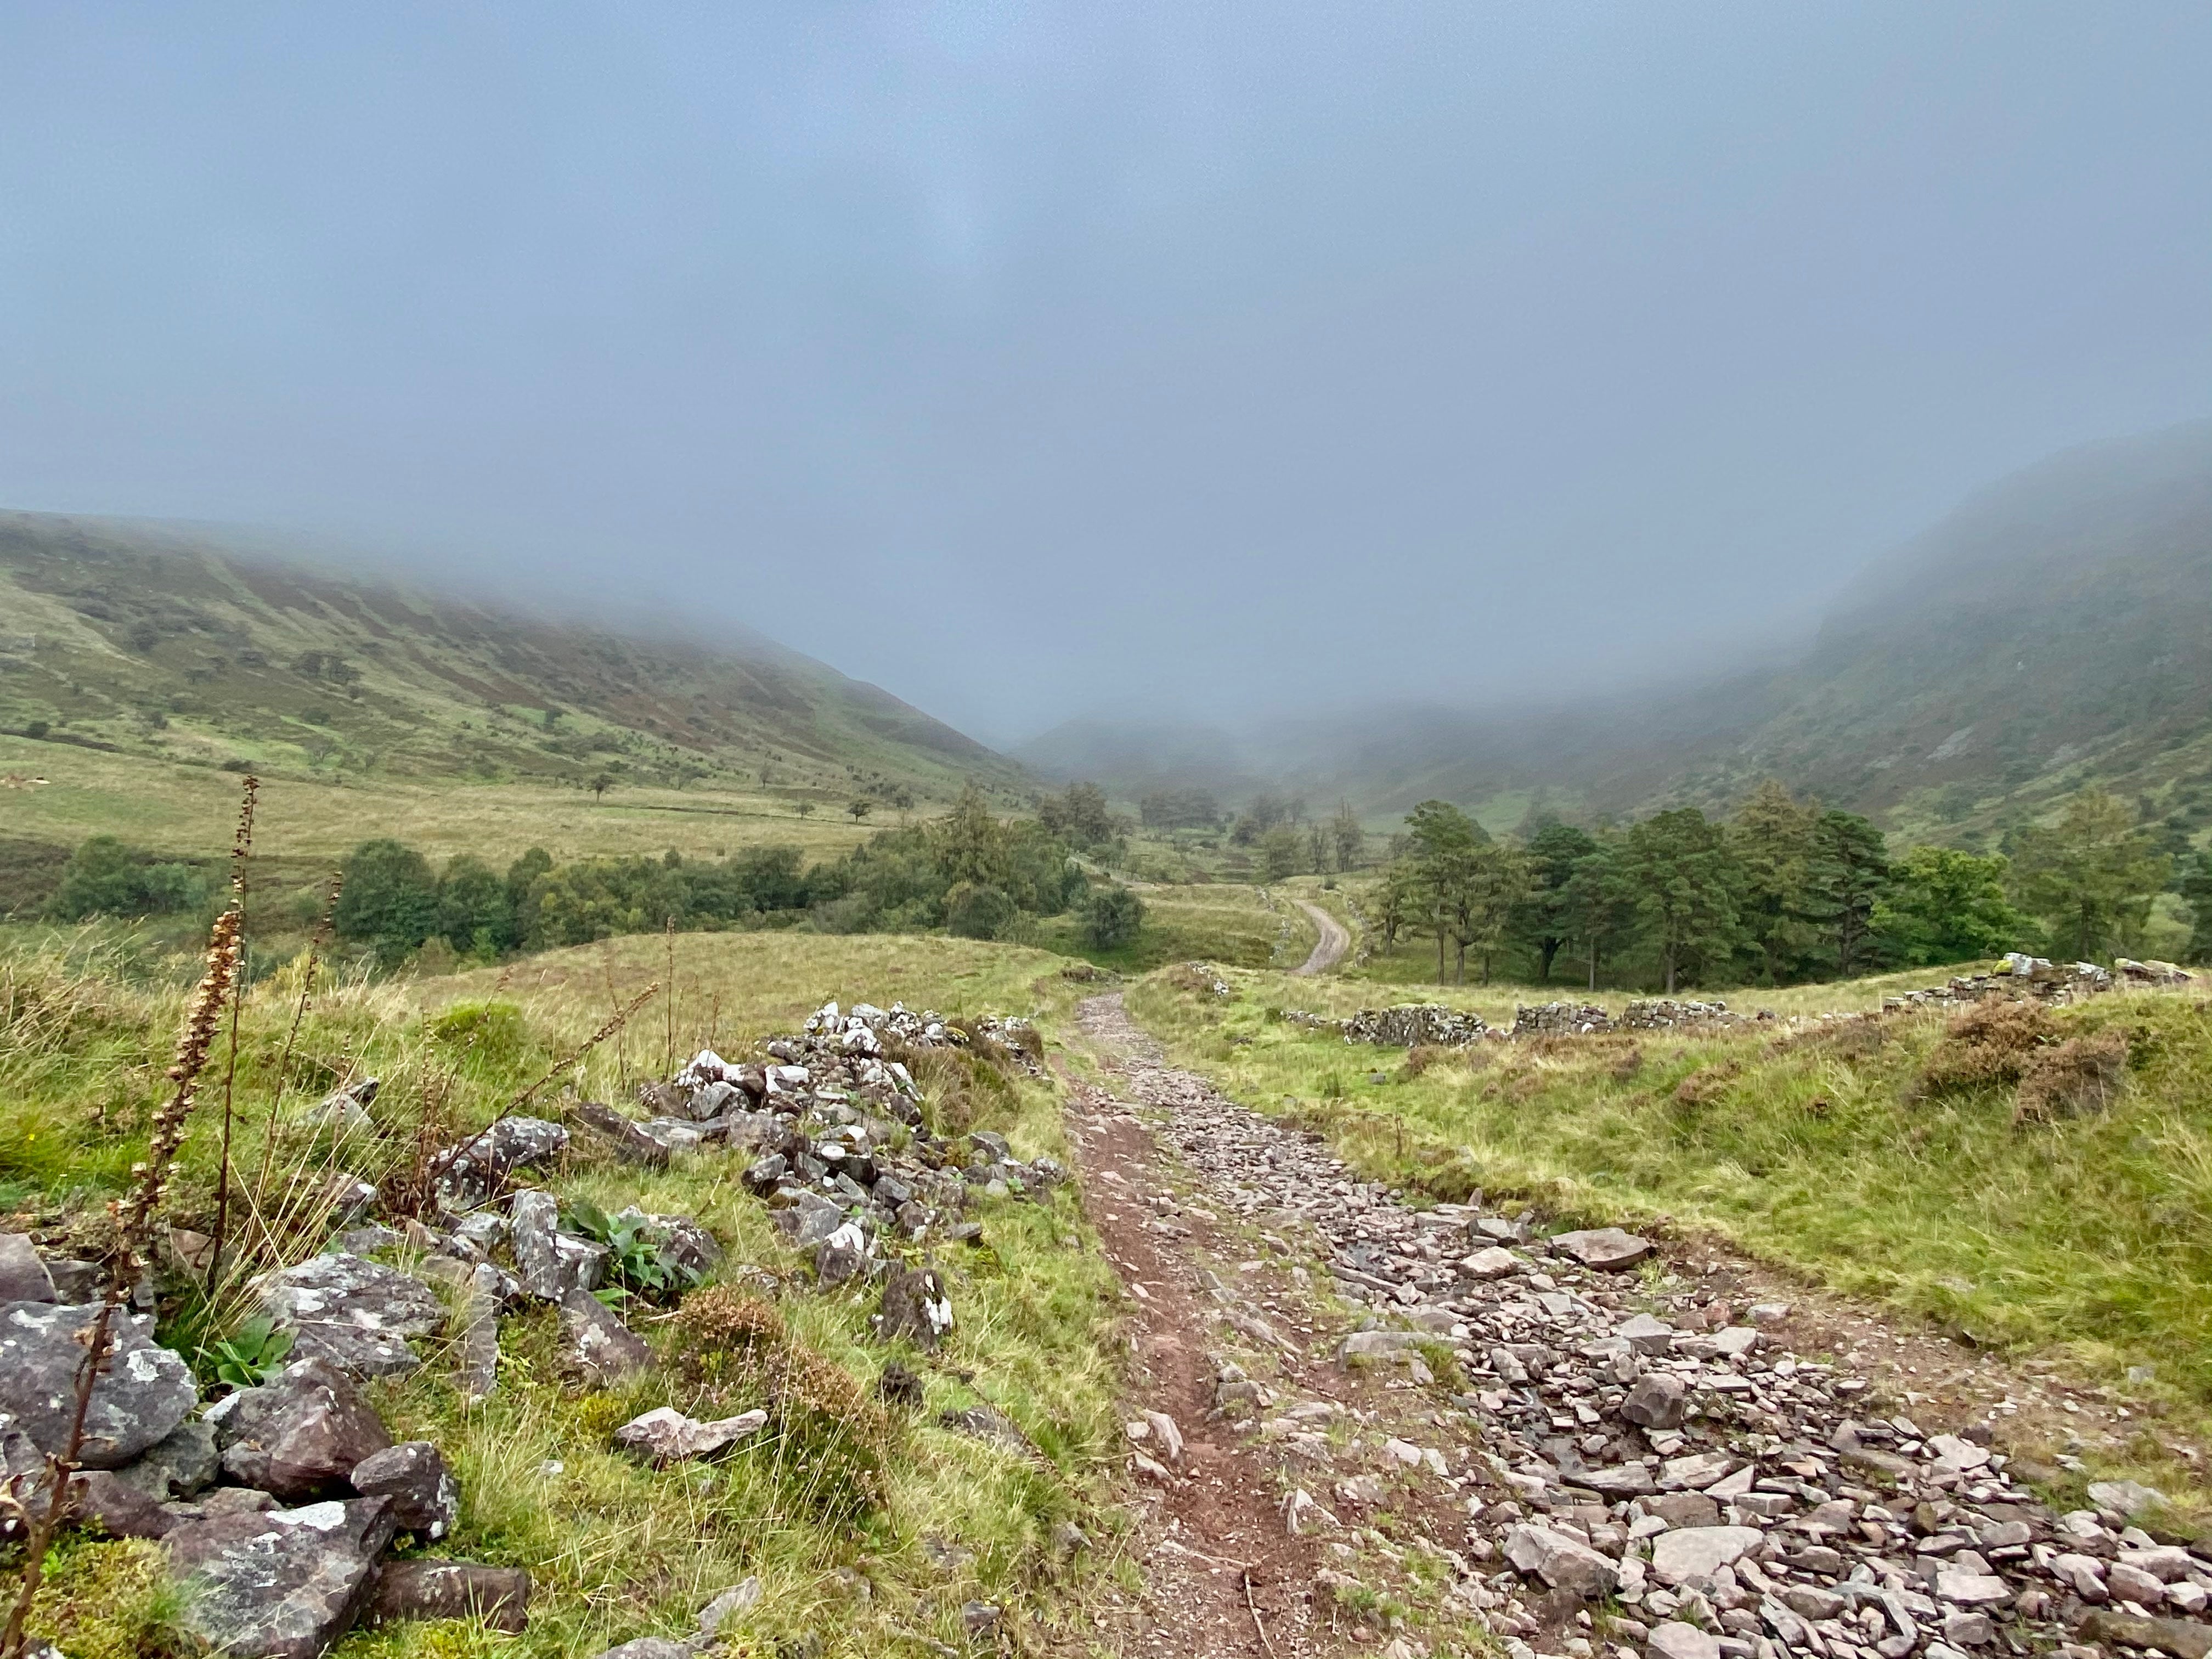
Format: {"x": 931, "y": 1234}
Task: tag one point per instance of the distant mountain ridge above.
{"x": 152, "y": 639}
{"x": 2056, "y": 628}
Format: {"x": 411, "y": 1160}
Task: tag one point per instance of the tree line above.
{"x": 1785, "y": 890}
{"x": 968, "y": 872}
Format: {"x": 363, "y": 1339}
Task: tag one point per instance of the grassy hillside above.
{"x": 1898, "y": 1159}
{"x": 152, "y": 644}
{"x": 617, "y": 1549}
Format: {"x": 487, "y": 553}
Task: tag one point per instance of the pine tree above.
{"x": 2091, "y": 877}
{"x": 1846, "y": 879}
{"x": 1687, "y": 886}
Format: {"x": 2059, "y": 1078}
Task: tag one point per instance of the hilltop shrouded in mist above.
{"x": 1201, "y": 363}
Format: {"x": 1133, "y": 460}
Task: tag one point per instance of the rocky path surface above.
{"x": 1435, "y": 1429}
{"x": 1328, "y": 950}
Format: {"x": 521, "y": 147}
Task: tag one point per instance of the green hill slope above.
{"x": 157, "y": 643}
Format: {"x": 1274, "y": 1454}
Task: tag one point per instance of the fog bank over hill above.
{"x": 2055, "y": 628}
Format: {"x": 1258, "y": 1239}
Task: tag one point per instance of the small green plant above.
{"x": 637, "y": 1264}
{"x": 252, "y": 1354}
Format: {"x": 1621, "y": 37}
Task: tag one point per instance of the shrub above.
{"x": 2079, "y": 1077}
{"x": 104, "y": 877}
{"x": 1113, "y": 917}
{"x": 831, "y": 1441}
{"x": 978, "y": 910}
{"x": 1988, "y": 1045}
{"x": 390, "y": 900}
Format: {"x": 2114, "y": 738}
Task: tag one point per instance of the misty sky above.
{"x": 1213, "y": 359}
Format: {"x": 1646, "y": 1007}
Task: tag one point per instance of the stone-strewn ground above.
{"x": 1420, "y": 1426}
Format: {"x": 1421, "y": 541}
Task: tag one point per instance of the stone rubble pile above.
{"x": 2034, "y": 976}
{"x": 1668, "y": 1452}
{"x": 276, "y": 1503}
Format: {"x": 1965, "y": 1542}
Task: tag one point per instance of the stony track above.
{"x": 1569, "y": 1444}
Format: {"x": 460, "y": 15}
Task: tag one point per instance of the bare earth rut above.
{"x": 1328, "y": 950}
{"x": 1356, "y": 1423}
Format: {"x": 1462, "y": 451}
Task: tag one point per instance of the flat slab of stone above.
{"x": 1491, "y": 1262}
{"x": 1689, "y": 1553}
{"x": 1676, "y": 1640}
{"x": 1609, "y": 1249}
{"x": 354, "y": 1313}
{"x": 1561, "y": 1562}
{"x": 281, "y": 1585}
{"x": 143, "y": 1392}
{"x": 596, "y": 1342}
{"x": 666, "y": 1435}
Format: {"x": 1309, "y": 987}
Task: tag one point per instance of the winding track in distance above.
{"x": 1328, "y": 950}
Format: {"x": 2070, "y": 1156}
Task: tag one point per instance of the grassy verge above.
{"x": 2086, "y": 1236}
{"x": 617, "y": 1550}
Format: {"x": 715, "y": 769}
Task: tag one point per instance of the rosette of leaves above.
{"x": 638, "y": 1265}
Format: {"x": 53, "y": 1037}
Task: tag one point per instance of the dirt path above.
{"x": 1328, "y": 950}
{"x": 1432, "y": 1430}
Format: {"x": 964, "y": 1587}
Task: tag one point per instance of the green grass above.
{"x": 616, "y": 1550}
{"x": 1210, "y": 922}
{"x": 2090, "y": 1238}
{"x": 176, "y": 808}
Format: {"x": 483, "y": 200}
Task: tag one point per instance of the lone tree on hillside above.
{"x": 859, "y": 806}
{"x": 601, "y": 785}
{"x": 804, "y": 809}
{"x": 1677, "y": 864}
{"x": 2195, "y": 885}
{"x": 2091, "y": 876}
{"x": 1443, "y": 842}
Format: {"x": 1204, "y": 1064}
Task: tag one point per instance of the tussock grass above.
{"x": 2085, "y": 1232}
{"x": 868, "y": 1527}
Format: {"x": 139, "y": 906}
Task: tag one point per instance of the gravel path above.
{"x": 1566, "y": 1443}
{"x": 1328, "y": 950}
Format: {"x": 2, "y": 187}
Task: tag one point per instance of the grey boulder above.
{"x": 473, "y": 1172}
{"x": 425, "y": 1498}
{"x": 140, "y": 1396}
{"x": 596, "y": 1343}
{"x": 300, "y": 1435}
{"x": 1561, "y": 1562}
{"x": 551, "y": 1263}
{"x": 425, "y": 1589}
{"x": 1657, "y": 1401}
{"x": 182, "y": 1464}
{"x": 281, "y": 1585}
{"x": 915, "y": 1306}
{"x": 354, "y": 1313}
